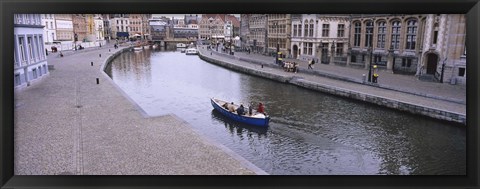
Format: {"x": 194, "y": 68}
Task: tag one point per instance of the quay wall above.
{"x": 381, "y": 101}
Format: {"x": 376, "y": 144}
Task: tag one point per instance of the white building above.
{"x": 30, "y": 60}
{"x": 50, "y": 30}
{"x": 99, "y": 28}
{"x": 319, "y": 37}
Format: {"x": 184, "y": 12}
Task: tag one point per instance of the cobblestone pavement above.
{"x": 66, "y": 124}
{"x": 436, "y": 103}
{"x": 403, "y": 83}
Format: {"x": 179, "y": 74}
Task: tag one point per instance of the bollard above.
{"x": 99, "y": 55}
{"x": 91, "y": 63}
{"x": 364, "y": 78}
{"x": 262, "y": 65}
{"x": 108, "y": 50}
{"x": 98, "y": 81}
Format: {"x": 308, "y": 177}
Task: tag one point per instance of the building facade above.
{"x": 99, "y": 28}
{"x": 257, "y": 38}
{"x": 279, "y": 33}
{"x": 244, "y": 30}
{"x": 64, "y": 25}
{"x": 443, "y": 52}
{"x": 212, "y": 27}
{"x": 79, "y": 27}
{"x": 50, "y": 29}
{"x": 30, "y": 60}
{"x": 135, "y": 26}
{"x": 320, "y": 37}
{"x": 119, "y": 26}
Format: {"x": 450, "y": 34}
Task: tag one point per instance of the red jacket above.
{"x": 260, "y": 108}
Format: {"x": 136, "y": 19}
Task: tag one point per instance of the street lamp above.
{"x": 370, "y": 48}
{"x": 75, "y": 37}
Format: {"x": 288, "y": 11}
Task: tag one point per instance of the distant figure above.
{"x": 260, "y": 108}
{"x": 61, "y": 54}
{"x": 231, "y": 107}
{"x": 240, "y": 110}
{"x": 225, "y": 105}
{"x": 46, "y": 52}
{"x": 310, "y": 64}
{"x": 295, "y": 67}
{"x": 250, "y": 109}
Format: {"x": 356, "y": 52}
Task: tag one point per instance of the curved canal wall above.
{"x": 382, "y": 101}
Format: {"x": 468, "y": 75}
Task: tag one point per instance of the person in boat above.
{"x": 250, "y": 110}
{"x": 225, "y": 105}
{"x": 260, "y": 108}
{"x": 231, "y": 107}
{"x": 241, "y": 110}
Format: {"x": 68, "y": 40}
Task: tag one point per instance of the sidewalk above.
{"x": 396, "y": 82}
{"x": 67, "y": 124}
{"x": 414, "y": 103}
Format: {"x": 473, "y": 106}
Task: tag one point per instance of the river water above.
{"x": 310, "y": 133}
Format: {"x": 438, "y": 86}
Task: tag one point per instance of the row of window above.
{"x": 310, "y": 27}
{"x": 28, "y": 19}
{"x": 30, "y": 49}
{"x": 410, "y": 35}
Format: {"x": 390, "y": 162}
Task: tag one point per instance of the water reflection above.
{"x": 309, "y": 133}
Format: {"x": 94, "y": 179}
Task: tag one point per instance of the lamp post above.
{"x": 370, "y": 48}
{"x": 75, "y": 37}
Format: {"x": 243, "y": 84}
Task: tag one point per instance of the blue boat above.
{"x": 257, "y": 119}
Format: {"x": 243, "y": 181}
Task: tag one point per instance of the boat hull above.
{"x": 262, "y": 122}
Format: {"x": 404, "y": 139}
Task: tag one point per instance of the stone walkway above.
{"x": 67, "y": 124}
{"x": 445, "y": 97}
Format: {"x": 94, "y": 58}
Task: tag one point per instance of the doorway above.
{"x": 432, "y": 61}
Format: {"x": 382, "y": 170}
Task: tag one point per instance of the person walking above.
{"x": 310, "y": 64}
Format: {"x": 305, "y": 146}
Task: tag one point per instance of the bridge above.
{"x": 174, "y": 41}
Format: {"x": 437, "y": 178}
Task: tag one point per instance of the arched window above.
{"x": 411, "y": 34}
{"x": 356, "y": 35}
{"x": 305, "y": 32}
{"x": 382, "y": 30}
{"x": 368, "y": 34}
{"x": 396, "y": 26}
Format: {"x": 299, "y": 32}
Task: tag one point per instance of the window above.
{"x": 34, "y": 71}
{"x": 295, "y": 30}
{"x": 341, "y": 30}
{"x": 461, "y": 72}
{"x": 353, "y": 58}
{"x": 396, "y": 26}
{"x": 44, "y": 69}
{"x": 305, "y": 48}
{"x": 30, "y": 47}
{"x": 411, "y": 34}
{"x": 305, "y": 33}
{"x": 435, "y": 34}
{"x": 300, "y": 30}
{"x": 369, "y": 34}
{"x": 339, "y": 50}
{"x": 406, "y": 62}
{"x": 382, "y": 29}
{"x": 356, "y": 35}
{"x": 46, "y": 25}
{"x": 40, "y": 70}
{"x": 310, "y": 48}
{"x": 17, "y": 80}
{"x": 325, "y": 30}
{"x": 51, "y": 25}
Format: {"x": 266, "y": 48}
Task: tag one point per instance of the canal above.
{"x": 310, "y": 133}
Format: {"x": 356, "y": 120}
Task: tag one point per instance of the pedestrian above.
{"x": 231, "y": 107}
{"x": 310, "y": 64}
{"x": 61, "y": 55}
{"x": 46, "y": 52}
{"x": 295, "y": 67}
